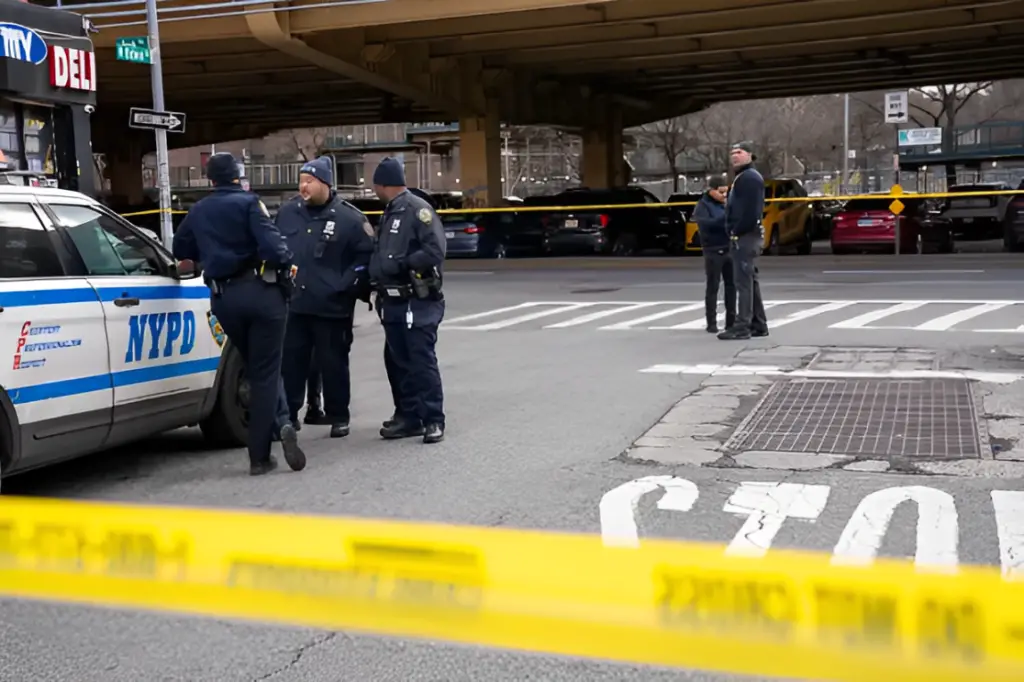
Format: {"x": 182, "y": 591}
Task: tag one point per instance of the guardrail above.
{"x": 788, "y": 614}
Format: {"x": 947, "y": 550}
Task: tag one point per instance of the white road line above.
{"x": 529, "y": 317}
{"x": 618, "y": 506}
{"x": 629, "y": 324}
{"x": 767, "y": 506}
{"x": 767, "y": 370}
{"x": 811, "y": 312}
{"x": 937, "y": 529}
{"x": 1017, "y": 330}
{"x": 600, "y": 314}
{"x": 488, "y": 313}
{"x": 700, "y": 322}
{"x": 943, "y": 323}
{"x": 899, "y": 272}
{"x": 862, "y": 321}
{"x": 1009, "y": 511}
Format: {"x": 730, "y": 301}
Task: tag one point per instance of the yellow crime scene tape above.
{"x": 895, "y": 193}
{"x": 790, "y": 614}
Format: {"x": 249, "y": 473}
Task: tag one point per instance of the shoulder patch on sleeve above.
{"x": 368, "y": 228}
{"x": 424, "y": 215}
{"x": 263, "y": 207}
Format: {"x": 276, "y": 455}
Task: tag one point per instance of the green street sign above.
{"x": 134, "y": 50}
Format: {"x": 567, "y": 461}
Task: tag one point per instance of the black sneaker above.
{"x": 758, "y": 333}
{"x": 401, "y": 429}
{"x": 734, "y": 335}
{"x": 712, "y": 329}
{"x": 293, "y": 454}
{"x": 262, "y": 468}
{"x": 433, "y": 433}
{"x": 339, "y": 430}
{"x": 315, "y": 416}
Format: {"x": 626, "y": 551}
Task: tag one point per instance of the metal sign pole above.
{"x": 162, "y": 163}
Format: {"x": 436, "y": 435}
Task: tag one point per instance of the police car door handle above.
{"x": 126, "y": 301}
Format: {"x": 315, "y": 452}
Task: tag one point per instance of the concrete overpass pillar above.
{"x": 602, "y": 166}
{"x": 124, "y": 170}
{"x": 480, "y": 158}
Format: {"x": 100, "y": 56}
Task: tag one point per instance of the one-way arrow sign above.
{"x": 150, "y": 119}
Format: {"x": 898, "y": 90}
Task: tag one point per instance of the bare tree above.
{"x": 671, "y": 137}
{"x": 308, "y": 142}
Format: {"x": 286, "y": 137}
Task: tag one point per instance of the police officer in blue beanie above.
{"x": 407, "y": 266}
{"x": 246, "y": 264}
{"x": 332, "y": 241}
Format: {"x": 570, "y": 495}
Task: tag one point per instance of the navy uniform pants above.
{"x": 314, "y": 384}
{"x": 253, "y": 314}
{"x": 394, "y": 378}
{"x": 750, "y": 315}
{"x": 328, "y": 340}
{"x": 414, "y": 360}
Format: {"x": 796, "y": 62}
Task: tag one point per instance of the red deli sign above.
{"x": 72, "y": 68}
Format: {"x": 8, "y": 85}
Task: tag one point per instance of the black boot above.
{"x": 339, "y": 430}
{"x": 401, "y": 429}
{"x": 315, "y": 415}
{"x": 293, "y": 454}
{"x": 733, "y": 334}
{"x": 261, "y": 468}
{"x": 433, "y": 433}
{"x": 390, "y": 420}
{"x": 712, "y": 327}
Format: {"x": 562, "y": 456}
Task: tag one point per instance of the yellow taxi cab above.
{"x": 787, "y": 224}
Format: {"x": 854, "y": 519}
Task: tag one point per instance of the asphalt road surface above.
{"x": 542, "y": 365}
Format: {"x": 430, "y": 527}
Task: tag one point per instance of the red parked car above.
{"x": 868, "y": 225}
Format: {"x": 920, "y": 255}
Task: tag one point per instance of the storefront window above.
{"x": 10, "y": 147}
{"x": 38, "y": 127}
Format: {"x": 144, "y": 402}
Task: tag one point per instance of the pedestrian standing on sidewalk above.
{"x": 709, "y": 214}
{"x": 744, "y": 209}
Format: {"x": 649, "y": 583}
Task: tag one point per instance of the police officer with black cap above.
{"x": 332, "y": 241}
{"x": 407, "y": 266}
{"x": 247, "y": 265}
{"x": 744, "y": 210}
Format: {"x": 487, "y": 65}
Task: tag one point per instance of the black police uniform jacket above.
{"x": 228, "y": 231}
{"x": 332, "y": 244}
{"x": 744, "y": 208}
{"x": 409, "y": 238}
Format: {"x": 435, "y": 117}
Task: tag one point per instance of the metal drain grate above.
{"x": 913, "y": 418}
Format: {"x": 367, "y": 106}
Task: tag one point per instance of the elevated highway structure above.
{"x": 243, "y": 68}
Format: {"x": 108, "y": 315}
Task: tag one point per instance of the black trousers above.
{"x": 253, "y": 315}
{"x": 718, "y": 269}
{"x": 412, "y": 351}
{"x": 329, "y": 339}
{"x": 314, "y": 384}
{"x": 394, "y": 378}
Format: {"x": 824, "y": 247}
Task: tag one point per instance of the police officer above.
{"x": 743, "y": 212}
{"x": 332, "y": 241}
{"x": 407, "y": 267}
{"x": 246, "y": 264}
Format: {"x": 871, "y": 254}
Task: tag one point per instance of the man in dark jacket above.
{"x": 743, "y": 212}
{"x": 709, "y": 215}
{"x": 332, "y": 242}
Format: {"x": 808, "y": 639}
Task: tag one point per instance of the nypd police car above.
{"x": 111, "y": 341}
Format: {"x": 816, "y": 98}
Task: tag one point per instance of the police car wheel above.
{"x": 228, "y": 424}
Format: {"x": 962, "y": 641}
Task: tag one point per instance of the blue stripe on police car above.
{"x": 21, "y": 43}
{"x": 16, "y": 299}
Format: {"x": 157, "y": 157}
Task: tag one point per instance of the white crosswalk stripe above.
{"x": 992, "y": 317}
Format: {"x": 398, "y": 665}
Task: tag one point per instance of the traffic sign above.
{"x": 912, "y": 137}
{"x": 150, "y": 119}
{"x": 897, "y": 107}
{"x": 896, "y": 207}
{"x": 135, "y": 50}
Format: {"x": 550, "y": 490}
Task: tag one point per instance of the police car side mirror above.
{"x": 185, "y": 269}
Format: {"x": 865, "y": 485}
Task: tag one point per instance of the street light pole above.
{"x": 846, "y": 142}
{"x": 163, "y": 179}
